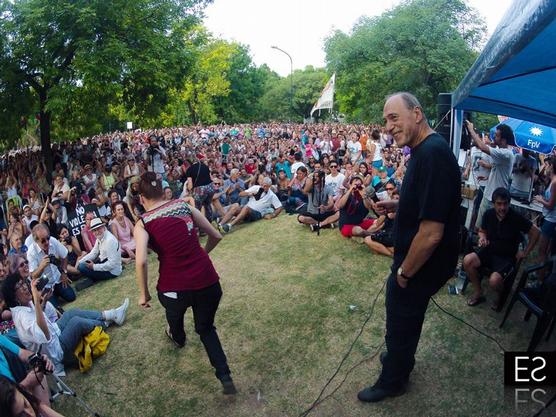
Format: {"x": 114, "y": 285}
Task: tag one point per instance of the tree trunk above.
{"x": 45, "y": 135}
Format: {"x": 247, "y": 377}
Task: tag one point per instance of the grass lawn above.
{"x": 285, "y": 324}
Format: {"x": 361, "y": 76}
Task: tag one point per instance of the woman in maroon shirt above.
{"x": 187, "y": 277}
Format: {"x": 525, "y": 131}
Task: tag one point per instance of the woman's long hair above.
{"x": 7, "y": 397}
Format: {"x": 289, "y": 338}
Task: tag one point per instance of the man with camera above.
{"x": 320, "y": 205}
{"x": 48, "y": 258}
{"x": 155, "y": 155}
{"x": 354, "y": 207}
{"x": 105, "y": 259}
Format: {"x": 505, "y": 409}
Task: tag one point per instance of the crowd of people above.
{"x": 63, "y": 235}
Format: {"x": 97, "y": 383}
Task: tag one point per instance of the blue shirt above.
{"x": 11, "y": 347}
{"x": 285, "y": 166}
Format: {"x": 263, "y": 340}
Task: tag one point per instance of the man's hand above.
{"x": 483, "y": 241}
{"x": 144, "y": 301}
{"x": 35, "y": 292}
{"x": 520, "y": 255}
{"x": 402, "y": 282}
{"x": 386, "y": 206}
{"x": 89, "y": 264}
{"x": 64, "y": 279}
{"x": 44, "y": 263}
{"x": 469, "y": 125}
{"x": 268, "y": 216}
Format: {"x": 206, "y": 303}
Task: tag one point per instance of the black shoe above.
{"x": 374, "y": 393}
{"x": 169, "y": 334}
{"x": 382, "y": 357}
{"x": 84, "y": 283}
{"x": 228, "y": 387}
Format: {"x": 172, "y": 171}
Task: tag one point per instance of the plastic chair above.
{"x": 540, "y": 302}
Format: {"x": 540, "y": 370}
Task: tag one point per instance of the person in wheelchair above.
{"x": 500, "y": 234}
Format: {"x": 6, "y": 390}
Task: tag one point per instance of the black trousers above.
{"x": 405, "y": 313}
{"x": 204, "y": 303}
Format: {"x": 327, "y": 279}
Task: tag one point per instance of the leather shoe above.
{"x": 374, "y": 393}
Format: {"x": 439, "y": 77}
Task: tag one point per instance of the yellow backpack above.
{"x": 91, "y": 346}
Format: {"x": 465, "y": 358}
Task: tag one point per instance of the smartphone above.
{"x": 41, "y": 283}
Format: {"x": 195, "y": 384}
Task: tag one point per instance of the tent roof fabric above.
{"x": 515, "y": 75}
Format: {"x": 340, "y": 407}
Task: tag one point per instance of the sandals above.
{"x": 472, "y": 302}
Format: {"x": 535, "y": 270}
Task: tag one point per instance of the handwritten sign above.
{"x": 76, "y": 219}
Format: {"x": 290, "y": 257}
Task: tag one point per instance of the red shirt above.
{"x": 183, "y": 263}
{"x": 250, "y": 168}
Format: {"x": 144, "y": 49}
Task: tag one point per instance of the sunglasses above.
{"x": 389, "y": 189}
{"x": 333, "y": 166}
{"x": 22, "y": 264}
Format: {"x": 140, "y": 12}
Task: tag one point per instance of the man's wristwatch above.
{"x": 401, "y": 274}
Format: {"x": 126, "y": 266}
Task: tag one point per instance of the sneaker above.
{"x": 314, "y": 227}
{"x": 228, "y": 387}
{"x": 227, "y": 228}
{"x": 120, "y": 313}
{"x": 376, "y": 393}
{"x": 169, "y": 334}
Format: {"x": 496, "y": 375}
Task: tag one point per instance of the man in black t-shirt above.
{"x": 425, "y": 239}
{"x": 199, "y": 184}
{"x": 499, "y": 237}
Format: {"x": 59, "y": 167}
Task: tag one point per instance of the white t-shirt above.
{"x": 354, "y": 148}
{"x": 266, "y": 201}
{"x": 334, "y": 182}
{"x": 478, "y": 170}
{"x": 502, "y": 164}
{"x": 296, "y": 165}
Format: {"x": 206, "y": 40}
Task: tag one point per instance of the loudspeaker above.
{"x": 444, "y": 115}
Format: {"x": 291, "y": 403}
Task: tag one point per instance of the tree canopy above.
{"x": 422, "y": 46}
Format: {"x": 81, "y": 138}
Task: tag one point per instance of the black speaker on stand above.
{"x": 444, "y": 116}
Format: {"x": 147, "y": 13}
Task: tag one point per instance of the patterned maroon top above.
{"x": 184, "y": 264}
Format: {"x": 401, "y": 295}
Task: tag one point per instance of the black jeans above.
{"x": 405, "y": 313}
{"x": 204, "y": 303}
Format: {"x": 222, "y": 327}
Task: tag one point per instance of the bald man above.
{"x": 425, "y": 236}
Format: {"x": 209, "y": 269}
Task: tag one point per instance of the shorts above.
{"x": 496, "y": 263}
{"x": 384, "y": 238}
{"x": 319, "y": 217}
{"x": 254, "y": 215}
{"x": 347, "y": 229}
{"x": 548, "y": 229}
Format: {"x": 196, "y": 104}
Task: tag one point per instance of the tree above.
{"x": 61, "y": 51}
{"x": 307, "y": 86}
{"x": 421, "y": 46}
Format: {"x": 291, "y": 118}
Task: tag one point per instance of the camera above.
{"x": 53, "y": 260}
{"x": 37, "y": 362}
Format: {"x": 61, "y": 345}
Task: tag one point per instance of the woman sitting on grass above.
{"x": 39, "y": 326}
{"x": 122, "y": 228}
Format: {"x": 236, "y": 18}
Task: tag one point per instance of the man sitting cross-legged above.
{"x": 499, "y": 238}
{"x": 354, "y": 207}
{"x": 263, "y": 203}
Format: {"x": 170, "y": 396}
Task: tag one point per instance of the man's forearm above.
{"x": 421, "y": 249}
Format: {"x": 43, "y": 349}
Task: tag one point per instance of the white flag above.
{"x": 326, "y": 99}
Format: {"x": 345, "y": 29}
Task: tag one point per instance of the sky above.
{"x": 299, "y": 27}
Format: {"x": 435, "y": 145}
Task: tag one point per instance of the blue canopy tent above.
{"x": 515, "y": 75}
